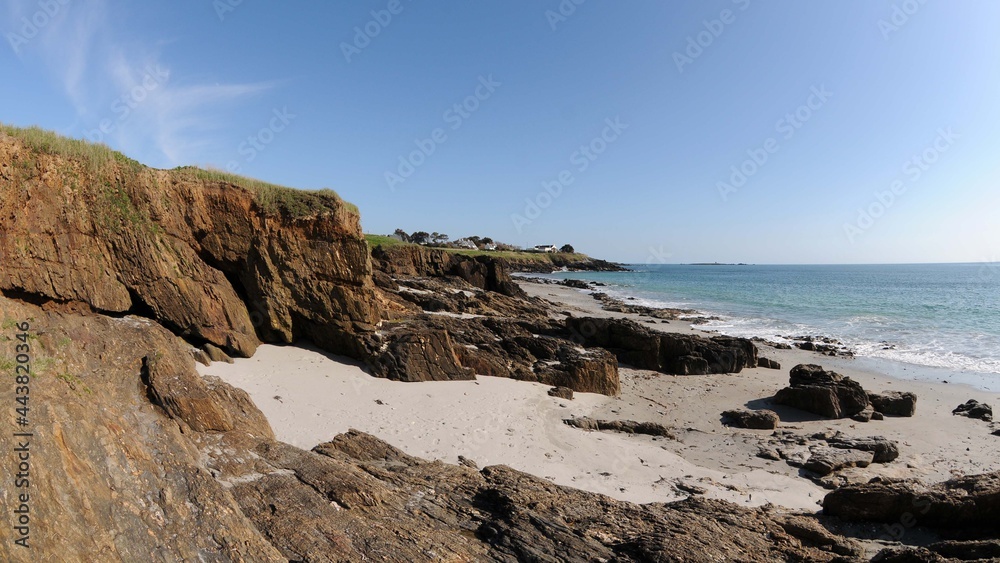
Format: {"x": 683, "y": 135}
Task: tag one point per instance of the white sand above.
{"x": 491, "y": 421}
{"x": 310, "y": 397}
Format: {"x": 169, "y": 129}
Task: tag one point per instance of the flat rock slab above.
{"x": 825, "y": 461}
{"x": 885, "y": 450}
{"x": 627, "y": 426}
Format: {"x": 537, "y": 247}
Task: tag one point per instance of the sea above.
{"x": 935, "y": 322}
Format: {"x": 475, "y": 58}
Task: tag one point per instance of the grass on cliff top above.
{"x": 382, "y": 240}
{"x": 100, "y": 159}
{"x": 272, "y": 197}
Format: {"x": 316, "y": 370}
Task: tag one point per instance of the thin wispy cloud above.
{"x": 124, "y": 92}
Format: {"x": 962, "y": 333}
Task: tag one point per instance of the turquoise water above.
{"x": 944, "y": 316}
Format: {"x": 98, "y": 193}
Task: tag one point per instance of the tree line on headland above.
{"x": 441, "y": 240}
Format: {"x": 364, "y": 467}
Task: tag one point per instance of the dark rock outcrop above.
{"x": 821, "y": 392}
{"x": 757, "y": 420}
{"x": 974, "y": 409}
{"x": 971, "y": 502}
{"x": 439, "y": 347}
{"x": 821, "y": 344}
{"x": 410, "y": 260}
{"x": 678, "y": 354}
{"x": 206, "y": 257}
{"x": 894, "y": 403}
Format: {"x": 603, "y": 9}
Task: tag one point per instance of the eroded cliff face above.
{"x": 203, "y": 257}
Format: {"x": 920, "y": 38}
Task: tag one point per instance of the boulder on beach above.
{"x": 974, "y": 409}
{"x": 822, "y": 392}
{"x": 894, "y": 403}
{"x": 767, "y": 363}
{"x": 755, "y": 420}
{"x": 561, "y": 393}
{"x": 866, "y": 415}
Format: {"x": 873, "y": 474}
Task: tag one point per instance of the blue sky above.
{"x": 842, "y": 131}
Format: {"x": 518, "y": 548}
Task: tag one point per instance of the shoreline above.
{"x": 977, "y": 380}
{"x": 935, "y": 444}
{"x": 309, "y": 397}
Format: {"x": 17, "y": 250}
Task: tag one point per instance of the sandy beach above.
{"x": 309, "y": 397}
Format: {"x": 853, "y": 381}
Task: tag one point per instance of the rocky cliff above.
{"x": 214, "y": 258}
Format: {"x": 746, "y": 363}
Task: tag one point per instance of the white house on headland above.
{"x": 465, "y": 243}
{"x": 546, "y": 248}
{"x": 489, "y": 246}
